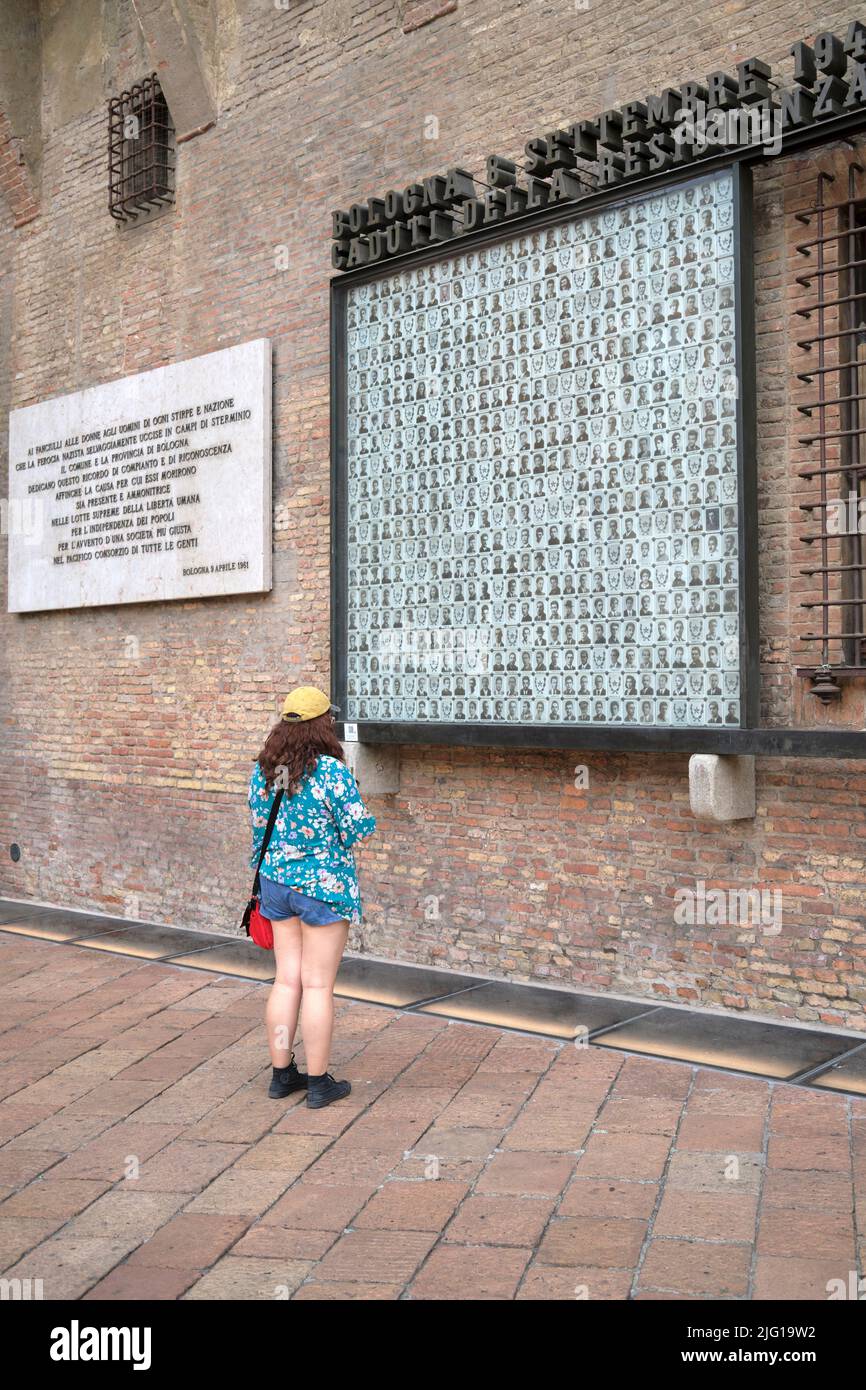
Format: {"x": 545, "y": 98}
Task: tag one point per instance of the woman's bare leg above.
{"x": 284, "y": 1000}
{"x": 321, "y": 951}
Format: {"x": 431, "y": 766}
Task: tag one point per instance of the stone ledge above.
{"x": 170, "y": 32}
{"x": 417, "y": 13}
{"x": 376, "y": 767}
{"x": 722, "y": 786}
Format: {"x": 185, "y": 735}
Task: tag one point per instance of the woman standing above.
{"x": 309, "y": 886}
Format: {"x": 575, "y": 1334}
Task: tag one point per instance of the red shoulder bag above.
{"x": 257, "y": 927}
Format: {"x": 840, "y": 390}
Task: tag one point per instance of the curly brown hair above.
{"x": 293, "y": 747}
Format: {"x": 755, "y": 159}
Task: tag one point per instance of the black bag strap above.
{"x": 272, "y": 820}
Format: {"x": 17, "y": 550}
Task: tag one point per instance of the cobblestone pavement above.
{"x": 140, "y": 1157}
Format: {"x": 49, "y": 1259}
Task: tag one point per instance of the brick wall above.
{"x": 129, "y": 732}
{"x": 15, "y": 183}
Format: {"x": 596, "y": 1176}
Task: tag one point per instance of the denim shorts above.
{"x": 279, "y": 902}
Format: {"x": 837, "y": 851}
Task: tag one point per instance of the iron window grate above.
{"x": 140, "y": 151}
{"x": 835, "y": 475}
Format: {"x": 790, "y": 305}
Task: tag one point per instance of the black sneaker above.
{"x": 324, "y": 1090}
{"x": 285, "y": 1080}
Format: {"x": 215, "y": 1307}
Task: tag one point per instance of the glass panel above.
{"x": 542, "y": 487}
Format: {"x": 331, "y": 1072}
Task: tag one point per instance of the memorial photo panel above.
{"x": 542, "y": 500}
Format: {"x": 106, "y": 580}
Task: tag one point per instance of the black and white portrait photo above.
{"x": 543, "y": 512}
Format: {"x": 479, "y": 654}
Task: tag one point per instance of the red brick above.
{"x": 696, "y": 1267}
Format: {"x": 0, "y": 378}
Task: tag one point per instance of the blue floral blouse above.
{"x": 311, "y": 845}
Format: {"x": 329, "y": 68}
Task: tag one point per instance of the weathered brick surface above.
{"x": 125, "y": 762}
{"x": 16, "y": 185}
{"x": 417, "y": 13}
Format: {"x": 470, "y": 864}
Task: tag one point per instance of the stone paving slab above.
{"x": 140, "y": 1157}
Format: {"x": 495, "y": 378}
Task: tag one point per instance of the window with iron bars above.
{"x": 835, "y": 474}
{"x": 140, "y": 152}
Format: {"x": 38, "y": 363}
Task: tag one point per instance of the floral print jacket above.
{"x": 311, "y": 845}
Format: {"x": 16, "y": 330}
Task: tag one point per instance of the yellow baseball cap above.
{"x": 306, "y": 703}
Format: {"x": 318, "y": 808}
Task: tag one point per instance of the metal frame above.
{"x": 747, "y": 445}
{"x": 137, "y": 190}
{"x": 841, "y": 638}
{"x": 749, "y": 740}
{"x": 615, "y": 737}
{"x": 821, "y": 742}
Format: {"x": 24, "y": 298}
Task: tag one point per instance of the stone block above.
{"x": 376, "y": 767}
{"x": 722, "y": 787}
